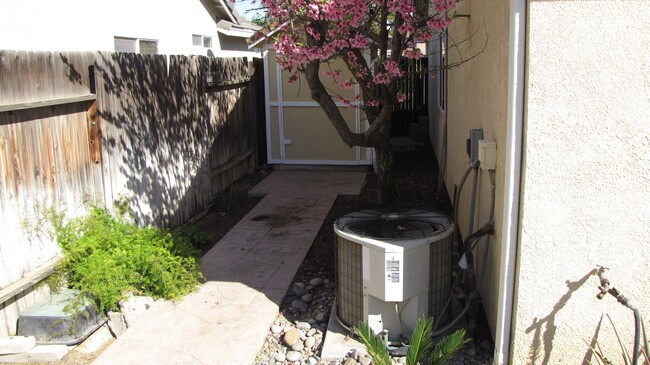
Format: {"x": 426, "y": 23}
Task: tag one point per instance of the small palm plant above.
{"x": 421, "y": 347}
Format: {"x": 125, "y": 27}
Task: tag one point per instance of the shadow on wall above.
{"x": 165, "y": 135}
{"x": 544, "y": 328}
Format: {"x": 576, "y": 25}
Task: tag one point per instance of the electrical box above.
{"x": 487, "y": 154}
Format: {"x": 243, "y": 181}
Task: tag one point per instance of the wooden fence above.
{"x": 166, "y": 133}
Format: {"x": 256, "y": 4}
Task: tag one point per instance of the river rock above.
{"x": 303, "y": 326}
{"x": 316, "y": 282}
{"x": 298, "y": 346}
{"x": 299, "y": 290}
{"x": 299, "y": 304}
{"x": 310, "y": 342}
{"x": 294, "y": 356}
{"x": 307, "y": 298}
{"x": 280, "y": 356}
{"x": 291, "y": 337}
{"x": 319, "y": 317}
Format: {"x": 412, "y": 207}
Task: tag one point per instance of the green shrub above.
{"x": 108, "y": 257}
{"x": 421, "y": 349}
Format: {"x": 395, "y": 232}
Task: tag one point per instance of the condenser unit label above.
{"x": 394, "y": 277}
{"x": 392, "y": 265}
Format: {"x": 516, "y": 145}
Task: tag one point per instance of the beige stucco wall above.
{"x": 586, "y": 177}
{"x": 586, "y": 168}
{"x": 477, "y": 99}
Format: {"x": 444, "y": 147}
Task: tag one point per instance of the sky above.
{"x": 243, "y": 5}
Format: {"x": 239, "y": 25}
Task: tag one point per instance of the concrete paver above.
{"x": 248, "y": 273}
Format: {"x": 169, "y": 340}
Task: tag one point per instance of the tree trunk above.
{"x": 385, "y": 163}
{"x": 385, "y": 182}
{"x": 377, "y": 136}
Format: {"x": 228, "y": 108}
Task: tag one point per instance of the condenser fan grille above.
{"x": 396, "y": 225}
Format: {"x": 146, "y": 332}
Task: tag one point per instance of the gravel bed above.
{"x": 296, "y": 336}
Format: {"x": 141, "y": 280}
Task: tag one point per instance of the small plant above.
{"x": 107, "y": 256}
{"x": 627, "y": 359}
{"x": 421, "y": 348}
{"x": 640, "y": 348}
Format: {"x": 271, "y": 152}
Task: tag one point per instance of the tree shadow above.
{"x": 544, "y": 328}
{"x": 166, "y": 135}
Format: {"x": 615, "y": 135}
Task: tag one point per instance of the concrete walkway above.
{"x": 248, "y": 273}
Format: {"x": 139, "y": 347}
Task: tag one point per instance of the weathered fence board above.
{"x": 44, "y": 158}
{"x": 168, "y": 133}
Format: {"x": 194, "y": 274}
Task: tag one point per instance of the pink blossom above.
{"x": 442, "y": 6}
{"x": 323, "y": 30}
{"x": 359, "y": 41}
{"x": 393, "y": 69}
{"x": 381, "y": 79}
{"x": 346, "y": 85}
{"x": 413, "y": 53}
{"x": 438, "y": 24}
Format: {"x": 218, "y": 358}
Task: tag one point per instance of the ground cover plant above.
{"x": 108, "y": 257}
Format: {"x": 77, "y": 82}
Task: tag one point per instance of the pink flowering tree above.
{"x": 372, "y": 38}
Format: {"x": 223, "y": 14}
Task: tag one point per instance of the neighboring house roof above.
{"x": 230, "y": 22}
{"x": 265, "y": 34}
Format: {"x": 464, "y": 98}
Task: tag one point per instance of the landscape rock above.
{"x": 299, "y": 292}
{"x": 307, "y": 298}
{"x": 319, "y": 317}
{"x": 116, "y": 323}
{"x": 365, "y": 360}
{"x": 298, "y": 346}
{"x": 303, "y": 326}
{"x": 134, "y": 307}
{"x": 280, "y": 356}
{"x": 316, "y": 282}
{"x": 291, "y": 337}
{"x": 275, "y": 329}
{"x": 299, "y": 304}
{"x": 294, "y": 356}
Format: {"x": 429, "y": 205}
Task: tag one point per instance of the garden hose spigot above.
{"x": 604, "y": 282}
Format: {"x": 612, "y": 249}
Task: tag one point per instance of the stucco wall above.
{"x": 79, "y": 25}
{"x": 586, "y": 178}
{"x": 477, "y": 99}
{"x": 298, "y": 131}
